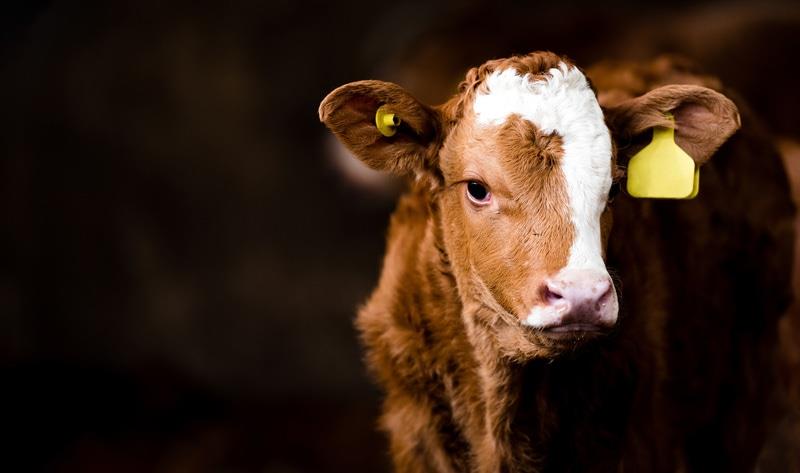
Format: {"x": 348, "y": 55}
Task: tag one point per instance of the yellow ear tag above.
{"x": 662, "y": 170}
{"x": 386, "y": 122}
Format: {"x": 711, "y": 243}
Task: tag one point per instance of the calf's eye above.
{"x": 478, "y": 193}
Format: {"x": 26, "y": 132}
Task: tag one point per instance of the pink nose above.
{"x": 582, "y": 300}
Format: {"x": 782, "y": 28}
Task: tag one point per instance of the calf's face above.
{"x": 519, "y": 165}
{"x": 527, "y": 171}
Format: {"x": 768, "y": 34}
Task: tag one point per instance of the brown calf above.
{"x": 496, "y": 330}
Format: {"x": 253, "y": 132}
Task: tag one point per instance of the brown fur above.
{"x": 468, "y": 389}
{"x": 725, "y": 278}
{"x": 521, "y": 166}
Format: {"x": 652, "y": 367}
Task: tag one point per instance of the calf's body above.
{"x": 453, "y": 405}
{"x": 472, "y": 382}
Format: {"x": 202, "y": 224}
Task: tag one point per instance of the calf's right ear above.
{"x": 349, "y": 112}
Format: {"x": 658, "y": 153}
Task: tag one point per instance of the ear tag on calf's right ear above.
{"x": 662, "y": 170}
{"x": 386, "y": 121}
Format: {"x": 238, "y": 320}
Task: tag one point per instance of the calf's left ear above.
{"x": 703, "y": 118}
{"x": 409, "y": 145}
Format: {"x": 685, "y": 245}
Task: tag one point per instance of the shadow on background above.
{"x": 184, "y": 245}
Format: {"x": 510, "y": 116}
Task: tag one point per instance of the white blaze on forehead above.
{"x": 565, "y": 104}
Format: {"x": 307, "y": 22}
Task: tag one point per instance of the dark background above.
{"x": 183, "y": 244}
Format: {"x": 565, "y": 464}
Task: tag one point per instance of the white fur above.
{"x": 543, "y": 316}
{"x": 562, "y": 103}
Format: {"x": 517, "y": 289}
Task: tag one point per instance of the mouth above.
{"x": 576, "y": 327}
{"x": 574, "y": 331}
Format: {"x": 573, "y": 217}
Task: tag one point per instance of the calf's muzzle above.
{"x": 575, "y": 301}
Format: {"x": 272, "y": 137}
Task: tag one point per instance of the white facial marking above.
{"x": 562, "y": 103}
{"x": 545, "y": 316}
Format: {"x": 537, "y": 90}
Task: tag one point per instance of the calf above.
{"x": 496, "y": 329}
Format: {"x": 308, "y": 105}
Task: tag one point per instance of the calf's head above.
{"x": 517, "y": 168}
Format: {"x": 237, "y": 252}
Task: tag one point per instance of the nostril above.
{"x": 551, "y": 293}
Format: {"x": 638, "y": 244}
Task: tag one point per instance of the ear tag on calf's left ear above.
{"x": 662, "y": 170}
{"x": 386, "y": 121}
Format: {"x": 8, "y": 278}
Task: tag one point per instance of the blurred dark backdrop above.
{"x": 183, "y": 245}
